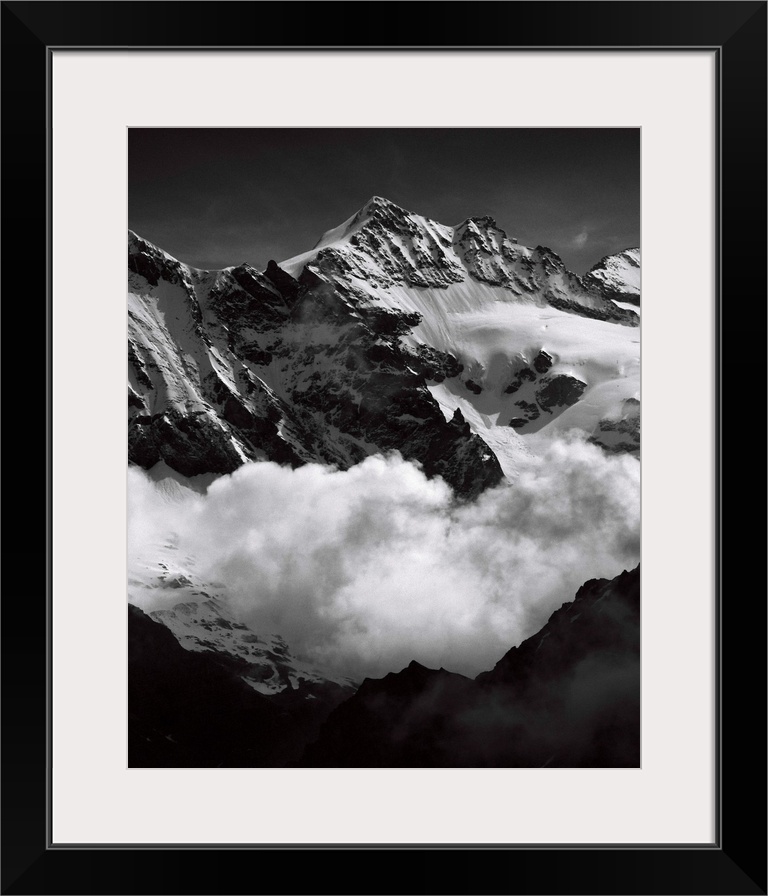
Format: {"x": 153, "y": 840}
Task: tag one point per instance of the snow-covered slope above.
{"x": 199, "y": 614}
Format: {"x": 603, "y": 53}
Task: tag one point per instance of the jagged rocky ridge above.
{"x": 567, "y": 697}
{"x": 232, "y": 366}
{"x": 384, "y": 245}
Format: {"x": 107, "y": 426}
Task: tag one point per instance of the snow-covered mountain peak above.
{"x": 383, "y": 247}
{"x": 631, "y": 255}
{"x": 619, "y": 261}
{"x": 379, "y": 203}
{"x": 483, "y": 221}
{"x": 480, "y": 225}
{"x": 378, "y": 210}
{"x": 383, "y": 216}
{"x": 151, "y": 264}
{"x": 617, "y": 277}
{"x": 380, "y": 246}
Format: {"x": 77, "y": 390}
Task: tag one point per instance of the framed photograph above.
{"x": 385, "y": 512}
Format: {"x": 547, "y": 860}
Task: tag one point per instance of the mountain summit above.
{"x": 383, "y": 245}
{"x": 617, "y": 276}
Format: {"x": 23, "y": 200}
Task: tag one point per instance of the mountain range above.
{"x": 454, "y": 346}
{"x": 447, "y": 344}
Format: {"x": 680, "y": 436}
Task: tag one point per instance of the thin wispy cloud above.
{"x": 580, "y": 240}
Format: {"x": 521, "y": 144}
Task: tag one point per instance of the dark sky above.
{"x": 218, "y": 197}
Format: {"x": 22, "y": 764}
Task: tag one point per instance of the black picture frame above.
{"x": 736, "y": 862}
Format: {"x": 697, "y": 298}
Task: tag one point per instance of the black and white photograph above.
{"x": 420, "y": 506}
{"x": 384, "y": 447}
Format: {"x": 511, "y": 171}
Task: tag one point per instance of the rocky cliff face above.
{"x": 233, "y": 366}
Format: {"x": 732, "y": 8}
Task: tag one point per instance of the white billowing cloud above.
{"x": 366, "y": 569}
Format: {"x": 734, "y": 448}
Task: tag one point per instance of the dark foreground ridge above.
{"x": 192, "y": 709}
{"x": 567, "y": 697}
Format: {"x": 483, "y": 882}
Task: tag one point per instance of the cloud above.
{"x": 366, "y": 569}
{"x": 580, "y": 239}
